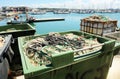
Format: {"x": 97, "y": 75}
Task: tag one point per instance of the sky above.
{"x": 78, "y": 4}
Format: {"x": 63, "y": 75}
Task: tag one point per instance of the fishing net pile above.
{"x": 41, "y": 49}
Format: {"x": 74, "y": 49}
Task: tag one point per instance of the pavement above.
{"x": 114, "y": 71}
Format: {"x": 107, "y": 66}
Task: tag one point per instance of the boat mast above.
{"x": 26, "y": 11}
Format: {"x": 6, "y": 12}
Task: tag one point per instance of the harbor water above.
{"x": 71, "y": 22}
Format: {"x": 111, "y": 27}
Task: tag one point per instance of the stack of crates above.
{"x": 98, "y": 24}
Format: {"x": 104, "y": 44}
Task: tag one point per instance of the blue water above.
{"x": 71, "y": 22}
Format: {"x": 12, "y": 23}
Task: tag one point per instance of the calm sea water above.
{"x": 71, "y": 22}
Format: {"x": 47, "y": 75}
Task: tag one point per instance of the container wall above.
{"x": 89, "y": 68}
{"x": 4, "y": 67}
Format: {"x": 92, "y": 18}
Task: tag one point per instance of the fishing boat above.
{"x": 61, "y": 12}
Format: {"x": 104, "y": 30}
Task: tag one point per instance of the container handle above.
{"x": 89, "y": 47}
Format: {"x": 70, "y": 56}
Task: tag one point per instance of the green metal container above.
{"x": 5, "y": 55}
{"x": 115, "y": 36}
{"x": 94, "y": 65}
{"x": 17, "y": 30}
